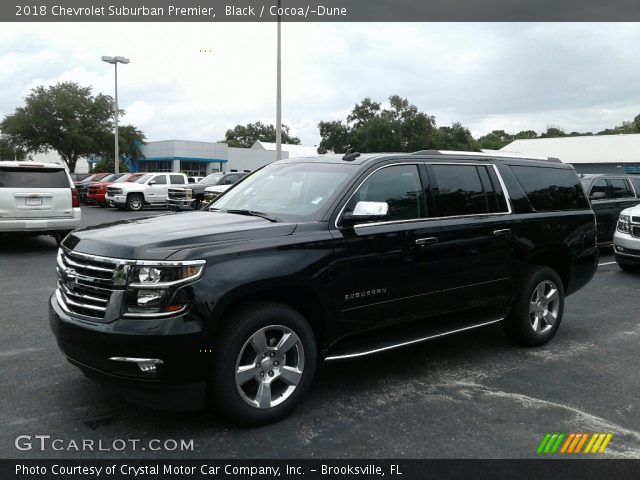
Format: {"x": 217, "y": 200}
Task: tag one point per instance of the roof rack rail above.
{"x": 554, "y": 159}
{"x": 427, "y": 152}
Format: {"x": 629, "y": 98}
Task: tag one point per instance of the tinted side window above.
{"x": 620, "y": 188}
{"x": 600, "y": 186}
{"x": 636, "y": 185}
{"x": 229, "y": 180}
{"x": 160, "y": 179}
{"x": 399, "y": 186}
{"x": 177, "y": 179}
{"x": 33, "y": 178}
{"x": 459, "y": 190}
{"x": 551, "y": 188}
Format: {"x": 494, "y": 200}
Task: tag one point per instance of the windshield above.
{"x": 288, "y": 191}
{"x": 212, "y": 179}
{"x": 144, "y": 178}
{"x": 109, "y": 178}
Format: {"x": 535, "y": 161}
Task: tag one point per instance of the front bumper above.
{"x": 626, "y": 248}
{"x": 178, "y": 383}
{"x": 42, "y": 224}
{"x": 189, "y": 204}
{"x": 115, "y": 200}
{"x": 96, "y": 198}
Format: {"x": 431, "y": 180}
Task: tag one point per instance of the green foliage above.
{"x": 246, "y": 135}
{"x": 67, "y": 118}
{"x": 9, "y": 151}
{"x": 107, "y": 165}
{"x": 370, "y": 128}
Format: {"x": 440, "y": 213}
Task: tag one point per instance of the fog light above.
{"x": 145, "y": 365}
{"x": 145, "y": 297}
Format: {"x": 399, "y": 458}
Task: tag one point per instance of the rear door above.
{"x": 476, "y": 255}
{"x": 35, "y": 192}
{"x": 159, "y": 191}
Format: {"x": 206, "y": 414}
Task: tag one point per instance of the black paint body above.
{"x": 352, "y": 284}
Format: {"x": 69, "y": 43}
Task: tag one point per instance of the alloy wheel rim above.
{"x": 269, "y": 367}
{"x": 544, "y": 307}
{"x": 136, "y": 204}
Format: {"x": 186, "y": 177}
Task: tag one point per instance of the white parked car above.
{"x": 150, "y": 189}
{"x": 37, "y": 199}
{"x": 626, "y": 240}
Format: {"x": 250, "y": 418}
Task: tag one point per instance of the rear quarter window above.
{"x": 551, "y": 188}
{"x": 33, "y": 178}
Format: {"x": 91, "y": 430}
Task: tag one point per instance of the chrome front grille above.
{"x": 91, "y": 286}
{"x": 177, "y": 194}
{"x": 635, "y": 231}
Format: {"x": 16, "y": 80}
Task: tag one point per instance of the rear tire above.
{"x": 265, "y": 362}
{"x": 538, "y": 309}
{"x": 135, "y": 202}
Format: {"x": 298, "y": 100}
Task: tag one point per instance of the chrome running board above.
{"x": 410, "y": 342}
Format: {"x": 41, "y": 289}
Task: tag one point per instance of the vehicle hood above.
{"x": 631, "y": 211}
{"x": 130, "y": 185}
{"x": 156, "y": 238}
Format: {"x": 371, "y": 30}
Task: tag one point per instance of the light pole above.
{"x": 279, "y": 92}
{"x": 114, "y": 61}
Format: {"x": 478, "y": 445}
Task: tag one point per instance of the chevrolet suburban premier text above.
{"x": 323, "y": 258}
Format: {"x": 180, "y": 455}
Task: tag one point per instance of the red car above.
{"x": 82, "y": 185}
{"x": 97, "y": 190}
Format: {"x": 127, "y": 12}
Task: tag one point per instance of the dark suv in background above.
{"x": 609, "y": 195}
{"x": 323, "y": 258}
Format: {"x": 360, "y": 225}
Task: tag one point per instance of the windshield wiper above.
{"x": 250, "y": 213}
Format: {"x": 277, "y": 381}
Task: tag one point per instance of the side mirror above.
{"x": 365, "y": 212}
{"x": 152, "y": 182}
{"x": 597, "y": 196}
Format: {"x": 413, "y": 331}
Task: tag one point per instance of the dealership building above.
{"x": 588, "y": 154}
{"x": 197, "y": 158}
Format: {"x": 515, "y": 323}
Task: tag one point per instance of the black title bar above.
{"x": 320, "y": 11}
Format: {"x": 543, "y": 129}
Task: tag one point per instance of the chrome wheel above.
{"x": 544, "y": 307}
{"x": 135, "y": 203}
{"x": 269, "y": 366}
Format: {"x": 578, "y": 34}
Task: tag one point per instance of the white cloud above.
{"x": 195, "y": 81}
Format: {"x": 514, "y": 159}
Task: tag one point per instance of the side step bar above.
{"x": 410, "y": 342}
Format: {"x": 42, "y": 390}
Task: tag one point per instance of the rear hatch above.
{"x": 34, "y": 192}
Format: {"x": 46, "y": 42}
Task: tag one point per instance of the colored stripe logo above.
{"x": 568, "y": 443}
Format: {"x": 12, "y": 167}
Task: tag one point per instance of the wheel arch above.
{"x": 559, "y": 258}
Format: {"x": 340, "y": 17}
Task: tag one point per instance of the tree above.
{"x": 455, "y": 137}
{"x": 66, "y": 118}
{"x": 107, "y": 165}
{"x": 246, "y": 135}
{"x": 9, "y": 151}
{"x": 495, "y": 140}
{"x": 369, "y": 128}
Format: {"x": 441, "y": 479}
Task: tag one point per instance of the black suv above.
{"x": 323, "y": 258}
{"x": 609, "y": 195}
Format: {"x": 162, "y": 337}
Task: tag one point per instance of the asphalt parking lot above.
{"x": 474, "y": 395}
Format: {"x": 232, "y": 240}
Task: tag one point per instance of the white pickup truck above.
{"x": 150, "y": 189}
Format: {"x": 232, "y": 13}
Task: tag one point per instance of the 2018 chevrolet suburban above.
{"x": 325, "y": 258}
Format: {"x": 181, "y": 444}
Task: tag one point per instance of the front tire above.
{"x": 135, "y": 202}
{"x": 264, "y": 364}
{"x": 538, "y": 309}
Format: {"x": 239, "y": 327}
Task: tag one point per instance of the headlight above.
{"x": 116, "y": 191}
{"x": 623, "y": 224}
{"x": 188, "y": 192}
{"x": 154, "y": 287}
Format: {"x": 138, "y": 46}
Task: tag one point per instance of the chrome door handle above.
{"x": 423, "y": 242}
{"x": 504, "y": 232}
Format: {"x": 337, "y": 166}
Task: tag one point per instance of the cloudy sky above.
{"x": 194, "y": 81}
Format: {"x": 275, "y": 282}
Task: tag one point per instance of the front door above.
{"x": 158, "y": 191}
{"x": 383, "y": 269}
